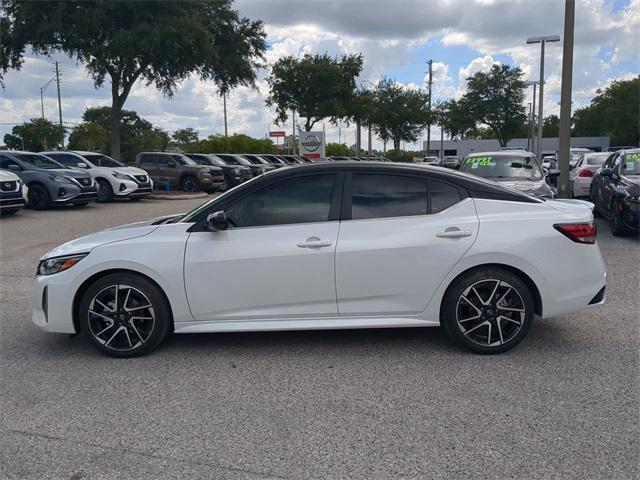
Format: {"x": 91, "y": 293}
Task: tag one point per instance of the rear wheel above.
{"x": 105, "y": 191}
{"x": 488, "y": 311}
{"x": 125, "y": 315}
{"x": 39, "y": 198}
{"x": 190, "y": 184}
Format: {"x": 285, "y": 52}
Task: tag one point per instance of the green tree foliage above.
{"x": 315, "y": 86}
{"x": 35, "y": 135}
{"x": 89, "y": 136}
{"x": 551, "y": 126}
{"x": 456, "y": 119}
{"x": 400, "y": 113}
{"x": 613, "y": 112}
{"x": 185, "y": 136}
{"x": 159, "y": 42}
{"x": 338, "y": 150}
{"x": 232, "y": 144}
{"x": 495, "y": 99}
{"x": 137, "y": 134}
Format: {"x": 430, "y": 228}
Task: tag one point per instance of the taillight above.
{"x": 578, "y": 232}
{"x": 585, "y": 173}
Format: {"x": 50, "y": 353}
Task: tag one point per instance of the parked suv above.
{"x": 233, "y": 175}
{"x": 242, "y": 163}
{"x": 180, "y": 171}
{"x": 13, "y": 193}
{"x": 113, "y": 178}
{"x": 50, "y": 183}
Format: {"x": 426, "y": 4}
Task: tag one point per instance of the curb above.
{"x": 177, "y": 196}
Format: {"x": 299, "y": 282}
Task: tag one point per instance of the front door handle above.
{"x": 314, "y": 242}
{"x": 453, "y": 233}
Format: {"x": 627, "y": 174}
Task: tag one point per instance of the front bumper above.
{"x": 71, "y": 194}
{"x": 11, "y": 200}
{"x": 52, "y": 302}
{"x": 131, "y": 189}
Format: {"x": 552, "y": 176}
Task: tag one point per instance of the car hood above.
{"x": 538, "y": 187}
{"x": 6, "y": 176}
{"x": 632, "y": 184}
{"x": 67, "y": 172}
{"x": 110, "y": 235}
{"x": 128, "y": 170}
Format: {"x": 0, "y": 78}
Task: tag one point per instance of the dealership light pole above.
{"x": 542, "y": 41}
{"x": 565, "y": 98}
{"x": 532, "y": 119}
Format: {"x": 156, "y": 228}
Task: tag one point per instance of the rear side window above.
{"x": 443, "y": 195}
{"x": 380, "y": 196}
{"x": 147, "y": 160}
{"x": 298, "y": 200}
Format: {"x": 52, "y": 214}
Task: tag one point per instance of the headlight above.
{"x": 121, "y": 176}
{"x": 59, "y": 264}
{"x": 60, "y": 179}
{"x": 236, "y": 171}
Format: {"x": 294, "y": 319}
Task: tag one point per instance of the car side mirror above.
{"x": 82, "y": 165}
{"x": 217, "y": 221}
{"x": 606, "y": 172}
{"x": 171, "y": 164}
{"x": 553, "y": 172}
{"x": 13, "y": 166}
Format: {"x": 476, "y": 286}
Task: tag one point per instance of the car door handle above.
{"x": 314, "y": 242}
{"x": 454, "y": 233}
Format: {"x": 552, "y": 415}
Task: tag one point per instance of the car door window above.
{"x": 615, "y": 164}
{"x": 147, "y": 160}
{"x": 442, "y": 195}
{"x": 298, "y": 200}
{"x": 380, "y": 196}
{"x": 5, "y": 162}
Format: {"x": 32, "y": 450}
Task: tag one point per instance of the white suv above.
{"x": 113, "y": 178}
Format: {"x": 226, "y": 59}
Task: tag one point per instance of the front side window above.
{"x": 298, "y": 200}
{"x": 147, "y": 160}
{"x": 102, "y": 160}
{"x": 380, "y": 196}
{"x": 615, "y": 164}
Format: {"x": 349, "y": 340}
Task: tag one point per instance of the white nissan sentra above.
{"x": 330, "y": 246}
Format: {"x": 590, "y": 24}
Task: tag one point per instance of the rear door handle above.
{"x": 314, "y": 242}
{"x": 454, "y": 233}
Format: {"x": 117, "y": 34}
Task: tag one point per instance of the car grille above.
{"x": 10, "y": 186}
{"x": 85, "y": 182}
{"x": 141, "y": 178}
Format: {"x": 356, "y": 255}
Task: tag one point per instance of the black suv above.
{"x": 233, "y": 174}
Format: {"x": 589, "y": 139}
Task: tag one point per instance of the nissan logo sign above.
{"x": 311, "y": 143}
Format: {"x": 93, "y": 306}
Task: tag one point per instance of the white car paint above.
{"x": 7, "y": 176}
{"x": 581, "y": 185}
{"x": 132, "y": 186}
{"x": 388, "y": 273}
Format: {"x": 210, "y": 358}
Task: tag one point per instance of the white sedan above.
{"x": 582, "y": 174}
{"x": 330, "y": 246}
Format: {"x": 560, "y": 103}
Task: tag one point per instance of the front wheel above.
{"x": 105, "y": 191}
{"x": 488, "y": 311}
{"x": 39, "y": 198}
{"x": 190, "y": 184}
{"x": 615, "y": 222}
{"x": 125, "y": 315}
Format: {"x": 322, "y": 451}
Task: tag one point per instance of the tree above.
{"x": 88, "y": 136}
{"x": 232, "y": 144}
{"x": 338, "y": 150}
{"x": 613, "y": 112}
{"x": 455, "y": 118}
{"x": 551, "y": 126}
{"x": 400, "y": 113}
{"x": 36, "y": 135}
{"x": 361, "y": 111}
{"x": 185, "y": 136}
{"x": 495, "y": 99}
{"x": 315, "y": 86}
{"x": 159, "y": 42}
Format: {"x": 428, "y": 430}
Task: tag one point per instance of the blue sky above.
{"x": 397, "y": 38}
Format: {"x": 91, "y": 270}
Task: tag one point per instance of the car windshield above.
{"x": 595, "y": 159}
{"x": 183, "y": 160}
{"x": 502, "y": 166}
{"x": 100, "y": 160}
{"x": 38, "y": 161}
{"x": 631, "y": 164}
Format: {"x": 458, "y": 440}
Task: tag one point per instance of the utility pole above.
{"x": 565, "y": 98}
{"x": 369, "y": 146}
{"x": 533, "y": 119}
{"x": 59, "y": 102}
{"x": 529, "y": 130}
{"x": 224, "y": 105}
{"x": 429, "y": 124}
{"x": 293, "y": 145}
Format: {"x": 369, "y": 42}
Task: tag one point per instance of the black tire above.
{"x": 39, "y": 198}
{"x": 105, "y": 192}
{"x": 615, "y": 223}
{"x": 503, "y": 326}
{"x": 190, "y": 184}
{"x": 592, "y": 199}
{"x": 6, "y": 213}
{"x": 147, "y": 327}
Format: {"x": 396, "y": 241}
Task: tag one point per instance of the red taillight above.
{"x": 585, "y": 173}
{"x": 578, "y": 232}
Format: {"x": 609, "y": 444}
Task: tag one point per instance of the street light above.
{"x": 542, "y": 41}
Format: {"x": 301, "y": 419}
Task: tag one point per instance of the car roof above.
{"x": 631, "y": 150}
{"x": 503, "y": 153}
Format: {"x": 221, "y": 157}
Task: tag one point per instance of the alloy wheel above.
{"x": 490, "y": 312}
{"x": 121, "y": 317}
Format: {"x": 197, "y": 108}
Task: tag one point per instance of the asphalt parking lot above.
{"x": 365, "y": 404}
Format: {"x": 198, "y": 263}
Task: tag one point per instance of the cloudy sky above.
{"x": 396, "y": 37}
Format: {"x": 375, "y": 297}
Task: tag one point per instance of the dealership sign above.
{"x": 279, "y": 133}
{"x": 312, "y": 144}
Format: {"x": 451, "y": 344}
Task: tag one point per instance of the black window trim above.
{"x": 334, "y": 210}
{"x": 346, "y": 213}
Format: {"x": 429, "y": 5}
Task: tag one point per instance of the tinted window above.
{"x": 102, "y": 160}
{"x": 66, "y": 159}
{"x": 377, "y": 196}
{"x": 5, "y": 162}
{"x": 147, "y": 160}
{"x": 443, "y": 195}
{"x": 38, "y": 161}
{"x": 161, "y": 160}
{"x": 299, "y": 200}
{"x": 615, "y": 164}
